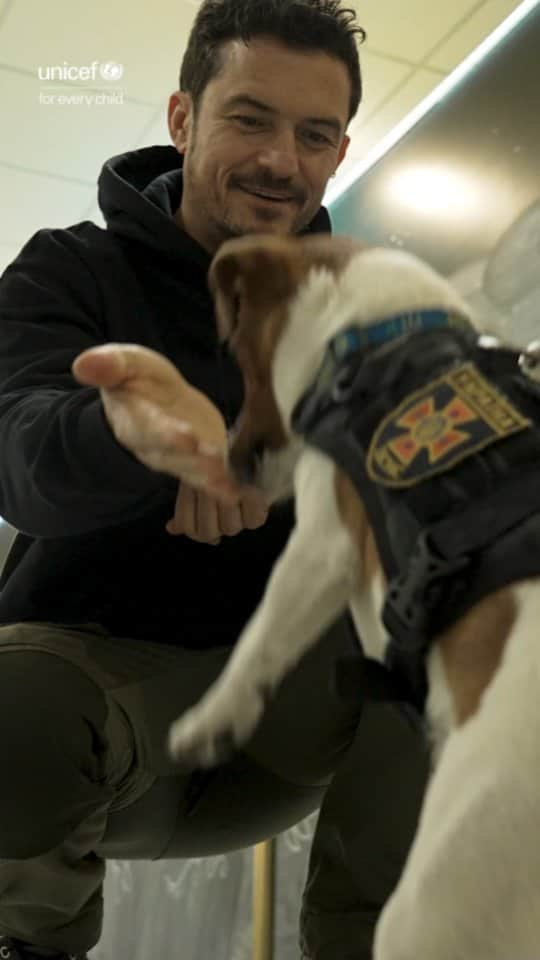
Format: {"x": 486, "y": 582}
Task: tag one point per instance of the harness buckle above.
{"x": 413, "y": 596}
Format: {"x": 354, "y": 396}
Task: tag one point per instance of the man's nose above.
{"x": 281, "y": 156}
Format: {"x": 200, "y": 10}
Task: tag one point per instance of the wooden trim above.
{"x": 264, "y": 895}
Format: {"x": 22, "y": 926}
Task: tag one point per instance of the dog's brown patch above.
{"x": 472, "y": 649}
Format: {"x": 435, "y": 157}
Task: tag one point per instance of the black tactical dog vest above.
{"x": 438, "y": 430}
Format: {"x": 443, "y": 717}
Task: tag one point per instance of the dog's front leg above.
{"x": 309, "y": 586}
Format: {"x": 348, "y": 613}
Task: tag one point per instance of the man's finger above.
{"x": 184, "y": 512}
{"x": 195, "y": 516}
{"x": 207, "y": 518}
{"x": 254, "y": 507}
{"x": 230, "y": 519}
{"x": 174, "y": 526}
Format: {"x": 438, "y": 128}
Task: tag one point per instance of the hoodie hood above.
{"x": 138, "y": 194}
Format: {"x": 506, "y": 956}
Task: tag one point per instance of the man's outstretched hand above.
{"x": 173, "y": 428}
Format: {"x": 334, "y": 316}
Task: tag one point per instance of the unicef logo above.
{"x": 111, "y": 71}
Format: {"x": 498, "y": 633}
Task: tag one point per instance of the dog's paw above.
{"x": 211, "y": 731}
{"x": 192, "y": 746}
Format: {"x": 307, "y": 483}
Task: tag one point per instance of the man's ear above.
{"x": 180, "y": 119}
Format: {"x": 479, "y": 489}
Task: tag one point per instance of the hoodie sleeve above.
{"x": 62, "y": 470}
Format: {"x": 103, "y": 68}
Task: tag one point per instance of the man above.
{"x": 138, "y": 560}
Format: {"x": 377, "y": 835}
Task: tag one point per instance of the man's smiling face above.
{"x": 269, "y": 134}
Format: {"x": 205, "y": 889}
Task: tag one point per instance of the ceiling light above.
{"x": 433, "y": 190}
{"x": 442, "y": 90}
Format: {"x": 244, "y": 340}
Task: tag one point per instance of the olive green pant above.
{"x": 86, "y": 777}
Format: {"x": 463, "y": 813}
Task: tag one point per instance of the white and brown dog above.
{"x": 471, "y": 886}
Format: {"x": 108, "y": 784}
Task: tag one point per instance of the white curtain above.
{"x": 200, "y": 909}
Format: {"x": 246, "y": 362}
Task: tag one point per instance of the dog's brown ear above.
{"x": 247, "y": 275}
{"x": 224, "y": 281}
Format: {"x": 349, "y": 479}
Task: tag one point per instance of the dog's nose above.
{"x": 245, "y": 464}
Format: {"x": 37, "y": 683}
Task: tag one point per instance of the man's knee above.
{"x": 52, "y": 719}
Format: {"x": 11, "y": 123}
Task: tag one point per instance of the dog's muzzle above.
{"x": 246, "y": 464}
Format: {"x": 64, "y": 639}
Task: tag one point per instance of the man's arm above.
{"x": 63, "y": 472}
{"x": 76, "y": 458}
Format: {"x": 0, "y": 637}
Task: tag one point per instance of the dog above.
{"x": 310, "y": 321}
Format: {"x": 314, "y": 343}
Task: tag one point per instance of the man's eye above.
{"x": 253, "y": 122}
{"x": 249, "y": 121}
{"x": 317, "y": 137}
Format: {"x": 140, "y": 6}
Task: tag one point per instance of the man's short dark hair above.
{"x": 318, "y": 25}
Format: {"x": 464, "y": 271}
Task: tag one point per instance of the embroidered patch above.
{"x": 434, "y": 428}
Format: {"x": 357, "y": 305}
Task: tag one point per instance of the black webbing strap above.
{"x": 442, "y": 555}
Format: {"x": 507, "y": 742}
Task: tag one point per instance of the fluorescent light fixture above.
{"x": 436, "y": 95}
{"x": 433, "y": 190}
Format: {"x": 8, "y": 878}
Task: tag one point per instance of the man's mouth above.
{"x": 268, "y": 195}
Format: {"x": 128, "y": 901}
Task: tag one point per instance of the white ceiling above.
{"x": 51, "y": 155}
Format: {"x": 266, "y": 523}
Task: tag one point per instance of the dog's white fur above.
{"x": 471, "y": 886}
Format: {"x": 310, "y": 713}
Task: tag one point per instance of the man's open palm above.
{"x": 158, "y": 416}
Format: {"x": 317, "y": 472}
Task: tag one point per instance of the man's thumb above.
{"x": 115, "y": 364}
{"x": 103, "y": 366}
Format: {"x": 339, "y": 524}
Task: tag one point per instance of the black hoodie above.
{"x": 92, "y": 545}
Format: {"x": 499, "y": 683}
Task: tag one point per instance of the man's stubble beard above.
{"x": 218, "y": 228}
{"x": 224, "y": 227}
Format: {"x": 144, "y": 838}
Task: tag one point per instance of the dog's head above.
{"x": 254, "y": 280}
